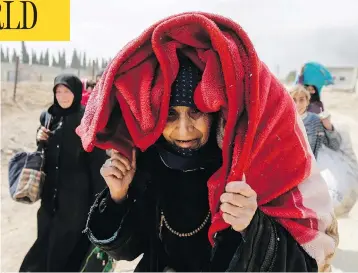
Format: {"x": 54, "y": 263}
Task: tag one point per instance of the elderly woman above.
{"x": 224, "y": 180}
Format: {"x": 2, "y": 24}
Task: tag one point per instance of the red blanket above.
{"x": 262, "y": 137}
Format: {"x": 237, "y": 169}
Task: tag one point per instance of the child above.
{"x": 319, "y": 128}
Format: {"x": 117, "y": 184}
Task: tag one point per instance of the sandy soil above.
{"x": 18, "y": 222}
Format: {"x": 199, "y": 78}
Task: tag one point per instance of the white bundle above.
{"x": 340, "y": 171}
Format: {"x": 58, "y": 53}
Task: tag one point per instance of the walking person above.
{"x": 72, "y": 180}
{"x": 210, "y": 169}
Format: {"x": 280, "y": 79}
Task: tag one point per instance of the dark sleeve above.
{"x": 265, "y": 246}
{"x": 42, "y": 123}
{"x": 121, "y": 230}
{"x": 43, "y": 118}
{"x": 332, "y": 139}
{"x": 96, "y": 159}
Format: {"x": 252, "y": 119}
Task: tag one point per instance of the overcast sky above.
{"x": 286, "y": 33}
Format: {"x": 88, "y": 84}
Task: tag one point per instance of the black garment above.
{"x": 183, "y": 200}
{"x": 131, "y": 228}
{"x": 72, "y": 180}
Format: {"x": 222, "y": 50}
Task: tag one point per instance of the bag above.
{"x": 26, "y": 176}
{"x": 340, "y": 171}
{"x": 98, "y": 261}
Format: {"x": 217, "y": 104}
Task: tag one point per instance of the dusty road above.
{"x": 18, "y": 221}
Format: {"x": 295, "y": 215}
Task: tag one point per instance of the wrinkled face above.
{"x": 311, "y": 89}
{"x": 301, "y": 102}
{"x": 187, "y": 127}
{"x": 64, "y": 96}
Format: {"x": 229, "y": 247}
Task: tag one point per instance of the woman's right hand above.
{"x": 118, "y": 172}
{"x": 43, "y": 134}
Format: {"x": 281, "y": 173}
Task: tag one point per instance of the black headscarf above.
{"x": 74, "y": 84}
{"x": 315, "y": 96}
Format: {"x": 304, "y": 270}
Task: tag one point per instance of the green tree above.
{"x": 7, "y": 56}
{"x": 14, "y": 56}
{"x": 96, "y": 64}
{"x": 76, "y": 62}
{"x": 54, "y": 62}
{"x": 25, "y": 55}
{"x": 47, "y": 58}
{"x": 63, "y": 61}
{"x": 2, "y": 55}
{"x": 84, "y": 61}
{"x": 291, "y": 76}
{"x": 41, "y": 61}
{"x": 34, "y": 57}
{"x": 58, "y": 63}
{"x": 104, "y": 63}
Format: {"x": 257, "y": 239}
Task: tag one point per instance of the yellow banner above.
{"x": 35, "y": 20}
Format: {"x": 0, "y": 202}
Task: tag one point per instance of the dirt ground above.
{"x": 18, "y": 221}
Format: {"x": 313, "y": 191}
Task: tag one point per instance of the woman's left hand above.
{"x": 238, "y": 204}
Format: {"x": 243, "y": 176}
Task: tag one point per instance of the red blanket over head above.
{"x": 262, "y": 138}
